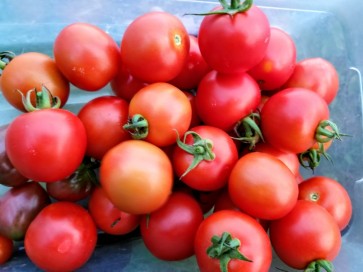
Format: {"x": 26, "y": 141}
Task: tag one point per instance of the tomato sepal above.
{"x": 231, "y": 9}
{"x": 323, "y": 134}
{"x": 5, "y": 58}
{"x": 311, "y": 158}
{"x": 137, "y": 126}
{"x": 320, "y": 265}
{"x": 43, "y": 100}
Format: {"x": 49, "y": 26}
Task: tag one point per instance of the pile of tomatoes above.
{"x": 198, "y": 148}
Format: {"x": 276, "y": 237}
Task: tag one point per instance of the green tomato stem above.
{"x": 43, "y": 100}
{"x": 137, "y": 126}
{"x": 235, "y": 7}
{"x": 5, "y": 58}
{"x": 319, "y": 266}
{"x": 312, "y": 157}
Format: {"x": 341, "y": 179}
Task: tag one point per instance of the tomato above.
{"x": 330, "y": 194}
{"x": 194, "y": 69}
{"x": 224, "y": 99}
{"x": 242, "y": 235}
{"x": 213, "y": 166}
{"x": 195, "y": 117}
{"x": 155, "y": 46}
{"x": 107, "y": 217}
{"x": 86, "y": 55}
{"x": 103, "y": 118}
{"x": 234, "y": 43}
{"x": 137, "y": 176}
{"x": 61, "y": 238}
{"x": 19, "y": 206}
{"x": 263, "y": 186}
{"x": 278, "y": 63}
{"x": 307, "y": 234}
{"x": 165, "y": 109}
{"x": 32, "y": 70}
{"x": 169, "y": 232}
{"x": 46, "y": 145}
{"x": 290, "y": 118}
{"x": 6, "y": 249}
{"x": 316, "y": 74}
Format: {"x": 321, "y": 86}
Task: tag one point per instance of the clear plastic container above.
{"x": 329, "y": 29}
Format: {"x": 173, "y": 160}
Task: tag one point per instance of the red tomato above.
{"x": 263, "y": 186}
{"x": 194, "y": 69}
{"x": 330, "y": 194}
{"x": 137, "y": 176}
{"x": 244, "y": 235}
{"x": 224, "y": 99}
{"x": 6, "y": 249}
{"x": 155, "y": 46}
{"x": 278, "y": 63}
{"x": 86, "y": 55}
{"x": 61, "y": 238}
{"x": 103, "y": 118}
{"x": 107, "y": 217}
{"x": 318, "y": 75}
{"x": 46, "y": 145}
{"x": 166, "y": 110}
{"x": 308, "y": 233}
{"x": 169, "y": 232}
{"x": 195, "y": 117}
{"x": 234, "y": 43}
{"x": 32, "y": 70}
{"x": 212, "y": 172}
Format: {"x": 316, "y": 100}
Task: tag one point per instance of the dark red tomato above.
{"x": 19, "y": 206}
{"x": 169, "y": 232}
{"x": 103, "y": 118}
{"x": 124, "y": 85}
{"x": 155, "y": 46}
{"x": 32, "y": 70}
{"x": 194, "y": 69}
{"x": 308, "y": 233}
{"x": 330, "y": 194}
{"x": 318, "y": 75}
{"x": 61, "y": 238}
{"x": 86, "y": 55}
{"x": 46, "y": 145}
{"x": 209, "y": 174}
{"x": 195, "y": 117}
{"x": 237, "y": 232}
{"x": 9, "y": 176}
{"x": 234, "y": 43}
{"x": 107, "y": 217}
{"x": 289, "y": 119}
{"x": 6, "y": 249}
{"x": 262, "y": 186}
{"x": 224, "y": 99}
{"x": 278, "y": 63}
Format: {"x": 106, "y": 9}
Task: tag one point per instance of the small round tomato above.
{"x": 155, "y": 46}
{"x": 61, "y": 238}
{"x": 137, "y": 176}
{"x": 6, "y": 249}
{"x": 32, "y": 70}
{"x": 86, "y": 55}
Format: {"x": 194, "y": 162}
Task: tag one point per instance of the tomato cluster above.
{"x": 198, "y": 148}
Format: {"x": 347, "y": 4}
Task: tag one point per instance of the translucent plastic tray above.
{"x": 329, "y": 29}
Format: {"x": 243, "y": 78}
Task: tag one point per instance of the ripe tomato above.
{"x": 212, "y": 171}
{"x": 234, "y": 43}
{"x": 330, "y": 194}
{"x": 6, "y": 249}
{"x": 61, "y": 238}
{"x": 242, "y": 234}
{"x": 155, "y": 46}
{"x": 262, "y": 186}
{"x": 32, "y": 70}
{"x": 195, "y": 117}
{"x": 169, "y": 232}
{"x": 107, "y": 217}
{"x": 307, "y": 234}
{"x": 224, "y": 99}
{"x": 46, "y": 145}
{"x": 86, "y": 55}
{"x": 103, "y": 118}
{"x": 278, "y": 63}
{"x": 166, "y": 110}
{"x": 137, "y": 176}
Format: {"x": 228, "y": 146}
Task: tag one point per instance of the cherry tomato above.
{"x": 62, "y": 237}
{"x": 86, "y": 55}
{"x": 155, "y": 46}
{"x": 6, "y": 249}
{"x": 32, "y": 70}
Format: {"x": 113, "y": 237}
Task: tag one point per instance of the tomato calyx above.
{"x": 201, "y": 149}
{"x": 5, "y": 58}
{"x": 233, "y": 8}
{"x": 311, "y": 158}
{"x": 320, "y": 265}
{"x": 85, "y": 175}
{"x": 225, "y": 248}
{"x": 137, "y": 126}
{"x": 327, "y": 131}
{"x": 43, "y": 100}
